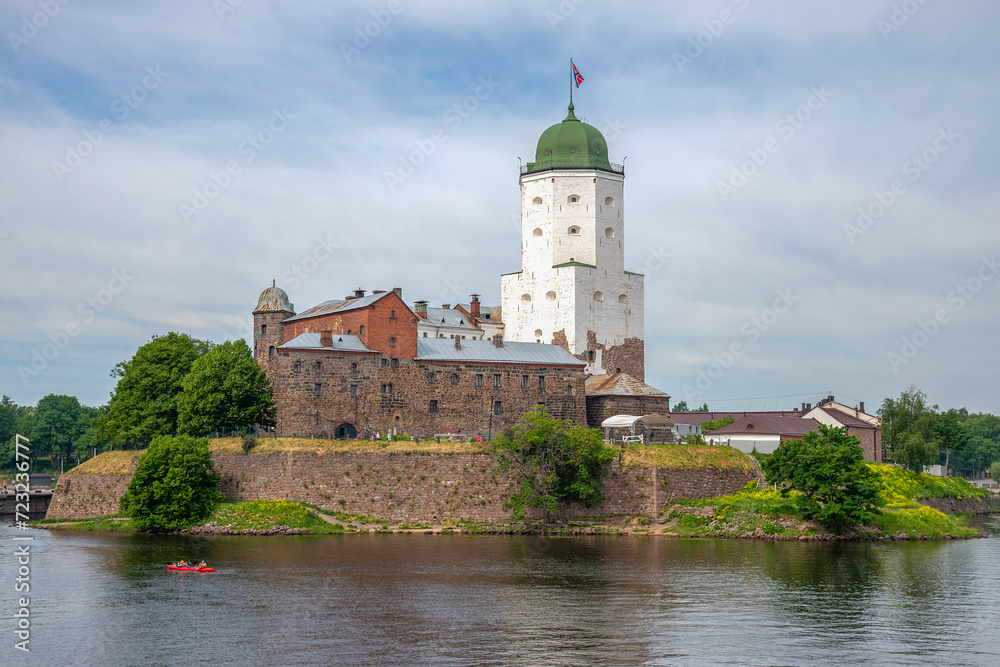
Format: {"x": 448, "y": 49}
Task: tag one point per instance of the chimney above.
{"x": 420, "y": 308}
{"x": 803, "y": 407}
{"x": 809, "y": 406}
{"x": 458, "y": 343}
{"x": 326, "y": 338}
{"x": 358, "y": 293}
{"x": 862, "y": 406}
{"x": 498, "y": 340}
{"x": 474, "y": 306}
{"x": 398, "y": 291}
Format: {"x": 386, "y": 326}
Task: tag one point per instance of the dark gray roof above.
{"x": 447, "y": 316}
{"x": 443, "y": 349}
{"x": 310, "y": 341}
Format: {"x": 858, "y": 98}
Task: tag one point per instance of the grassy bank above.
{"x": 108, "y": 463}
{"x": 766, "y": 513}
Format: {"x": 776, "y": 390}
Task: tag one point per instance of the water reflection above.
{"x": 461, "y": 600}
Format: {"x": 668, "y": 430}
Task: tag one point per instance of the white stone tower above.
{"x": 573, "y": 289}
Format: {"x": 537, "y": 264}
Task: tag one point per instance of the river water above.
{"x": 104, "y": 599}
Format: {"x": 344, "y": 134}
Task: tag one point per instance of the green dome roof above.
{"x": 571, "y": 144}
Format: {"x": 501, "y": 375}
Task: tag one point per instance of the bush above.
{"x": 995, "y": 471}
{"x": 174, "y": 486}
{"x": 248, "y": 442}
{"x": 828, "y": 470}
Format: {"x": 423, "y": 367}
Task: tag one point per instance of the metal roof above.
{"x": 769, "y": 425}
{"x": 447, "y": 316}
{"x": 620, "y": 384}
{"x": 443, "y": 349}
{"x": 844, "y": 418}
{"x": 339, "y": 306}
{"x": 311, "y": 341}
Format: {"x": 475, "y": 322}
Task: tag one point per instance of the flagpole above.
{"x": 571, "y": 81}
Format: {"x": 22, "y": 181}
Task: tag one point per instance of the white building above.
{"x": 573, "y": 289}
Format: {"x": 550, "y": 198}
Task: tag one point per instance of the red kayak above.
{"x": 185, "y": 568}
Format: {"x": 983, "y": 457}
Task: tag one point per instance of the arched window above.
{"x": 271, "y": 352}
{"x": 537, "y": 201}
{"x": 550, "y": 295}
{"x": 392, "y": 314}
{"x": 361, "y": 331}
{"x": 574, "y": 231}
{"x": 354, "y": 369}
{"x": 537, "y": 232}
{"x": 538, "y": 333}
{"x": 392, "y": 342}
{"x": 454, "y": 378}
{"x": 263, "y": 329}
{"x": 622, "y": 298}
{"x": 572, "y": 199}
{"x": 297, "y": 367}
{"x": 526, "y": 298}
{"x": 598, "y": 296}
{"x": 609, "y": 201}
{"x": 317, "y": 367}
{"x": 609, "y": 233}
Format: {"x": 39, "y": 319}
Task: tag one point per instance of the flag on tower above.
{"x": 577, "y": 77}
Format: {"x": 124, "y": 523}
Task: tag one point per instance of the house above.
{"x": 761, "y": 433}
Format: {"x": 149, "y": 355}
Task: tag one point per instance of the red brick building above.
{"x": 356, "y": 366}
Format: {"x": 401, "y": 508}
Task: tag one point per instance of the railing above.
{"x": 582, "y": 163}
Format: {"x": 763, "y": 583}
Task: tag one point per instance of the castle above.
{"x": 568, "y": 333}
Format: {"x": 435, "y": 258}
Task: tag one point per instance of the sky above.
{"x": 810, "y": 186}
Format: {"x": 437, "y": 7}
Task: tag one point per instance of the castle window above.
{"x": 361, "y": 331}
{"x": 317, "y": 388}
{"x": 317, "y": 366}
{"x": 454, "y": 378}
{"x": 598, "y": 296}
{"x": 497, "y": 408}
{"x": 392, "y": 314}
{"x": 550, "y": 295}
{"x": 394, "y": 362}
{"x": 609, "y": 201}
{"x": 433, "y": 408}
{"x": 263, "y": 330}
{"x": 385, "y": 362}
{"x": 538, "y": 333}
{"x": 524, "y": 382}
{"x": 354, "y": 391}
{"x": 496, "y": 380}
{"x": 479, "y": 379}
{"x": 569, "y": 390}
{"x": 574, "y": 231}
{"x": 425, "y": 334}
{"x": 431, "y": 377}
{"x": 537, "y": 232}
{"x": 572, "y": 149}
{"x": 622, "y": 298}
{"x": 541, "y": 383}
{"x": 591, "y": 356}
{"x": 387, "y": 389}
{"x": 297, "y": 367}
{"x": 392, "y": 342}
{"x": 354, "y": 369}
{"x": 526, "y": 298}
{"x": 572, "y": 199}
{"x": 609, "y": 233}
{"x": 271, "y": 352}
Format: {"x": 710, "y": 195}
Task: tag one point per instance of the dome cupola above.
{"x": 273, "y": 299}
{"x": 571, "y": 144}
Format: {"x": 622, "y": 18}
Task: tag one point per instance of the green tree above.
{"x": 144, "y": 402}
{"x": 908, "y": 425}
{"x": 553, "y": 460}
{"x": 828, "y": 470}
{"x": 225, "y": 387}
{"x": 682, "y": 406}
{"x": 995, "y": 471}
{"x": 174, "y": 486}
{"x": 716, "y": 424}
{"x": 951, "y": 433}
{"x": 56, "y": 425}
{"x": 8, "y": 418}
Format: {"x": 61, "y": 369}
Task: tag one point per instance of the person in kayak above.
{"x": 202, "y": 564}
{"x": 182, "y": 563}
